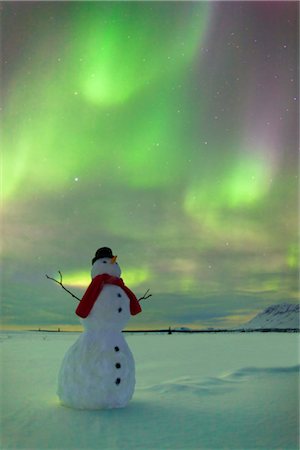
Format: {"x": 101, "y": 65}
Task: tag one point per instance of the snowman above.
{"x": 98, "y": 371}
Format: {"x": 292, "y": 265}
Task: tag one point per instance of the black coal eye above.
{"x": 120, "y": 310}
{"x": 104, "y": 262}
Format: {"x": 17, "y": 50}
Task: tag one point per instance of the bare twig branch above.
{"x": 145, "y": 296}
{"x": 61, "y": 284}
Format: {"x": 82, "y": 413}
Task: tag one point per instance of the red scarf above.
{"x": 94, "y": 289}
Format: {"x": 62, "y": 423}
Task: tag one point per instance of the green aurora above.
{"x": 165, "y": 130}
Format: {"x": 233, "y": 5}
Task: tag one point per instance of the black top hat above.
{"x": 103, "y": 252}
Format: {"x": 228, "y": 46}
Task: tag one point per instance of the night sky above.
{"x": 167, "y": 131}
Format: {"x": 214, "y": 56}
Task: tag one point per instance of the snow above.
{"x": 281, "y": 316}
{"x": 193, "y": 391}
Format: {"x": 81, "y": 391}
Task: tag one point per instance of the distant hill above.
{"x": 283, "y": 316}
{"x": 182, "y": 329}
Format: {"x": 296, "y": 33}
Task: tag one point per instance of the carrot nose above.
{"x": 113, "y": 259}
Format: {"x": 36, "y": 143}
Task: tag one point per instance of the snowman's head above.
{"x": 106, "y": 265}
{"x": 104, "y": 261}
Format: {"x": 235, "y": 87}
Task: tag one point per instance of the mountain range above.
{"x": 280, "y": 316}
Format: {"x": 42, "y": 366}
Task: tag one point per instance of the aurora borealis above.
{"x": 165, "y": 130}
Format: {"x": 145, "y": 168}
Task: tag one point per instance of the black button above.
{"x": 118, "y": 365}
{"x": 117, "y": 349}
{"x": 120, "y": 310}
{"x": 118, "y": 380}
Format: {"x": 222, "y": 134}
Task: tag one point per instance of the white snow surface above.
{"x": 281, "y": 316}
{"x": 193, "y": 391}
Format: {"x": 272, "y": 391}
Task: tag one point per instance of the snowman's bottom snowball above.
{"x": 93, "y": 376}
{"x": 77, "y": 396}
{"x": 95, "y": 406}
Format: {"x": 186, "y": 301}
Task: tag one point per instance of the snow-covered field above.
{"x": 194, "y": 391}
